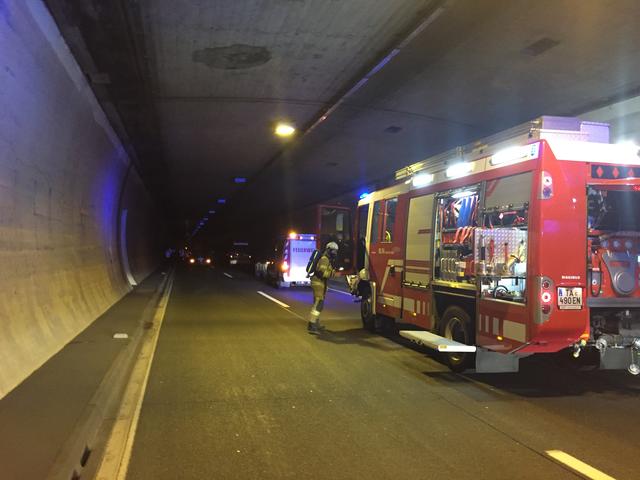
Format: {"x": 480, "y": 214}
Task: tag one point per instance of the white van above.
{"x": 292, "y": 256}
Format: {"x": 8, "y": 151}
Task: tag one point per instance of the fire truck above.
{"x": 523, "y": 243}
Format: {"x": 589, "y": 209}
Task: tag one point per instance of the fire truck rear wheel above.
{"x": 366, "y": 312}
{"x": 456, "y": 325}
{"x": 383, "y": 324}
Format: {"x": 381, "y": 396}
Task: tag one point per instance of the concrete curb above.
{"x": 77, "y": 455}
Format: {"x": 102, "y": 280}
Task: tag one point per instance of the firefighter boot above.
{"x": 314, "y": 321}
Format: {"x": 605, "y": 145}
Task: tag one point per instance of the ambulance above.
{"x": 288, "y": 262}
{"x": 290, "y": 265}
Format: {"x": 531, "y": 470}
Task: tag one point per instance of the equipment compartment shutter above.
{"x": 514, "y": 190}
{"x": 418, "y": 263}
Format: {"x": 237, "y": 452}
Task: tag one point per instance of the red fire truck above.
{"x": 526, "y": 242}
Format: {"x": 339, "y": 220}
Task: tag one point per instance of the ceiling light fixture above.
{"x": 284, "y": 130}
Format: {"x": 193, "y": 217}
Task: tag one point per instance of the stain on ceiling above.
{"x": 233, "y": 57}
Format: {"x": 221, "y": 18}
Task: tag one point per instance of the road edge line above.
{"x": 117, "y": 453}
{"x": 578, "y": 466}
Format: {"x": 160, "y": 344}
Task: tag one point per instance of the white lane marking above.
{"x": 117, "y": 455}
{"x": 338, "y": 291}
{"x": 275, "y": 300}
{"x": 578, "y": 465}
{"x": 295, "y": 314}
{"x": 227, "y": 275}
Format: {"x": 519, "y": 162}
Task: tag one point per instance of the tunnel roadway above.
{"x": 238, "y": 389}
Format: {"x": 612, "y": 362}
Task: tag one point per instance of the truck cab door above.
{"x": 387, "y": 264}
{"x": 418, "y": 263}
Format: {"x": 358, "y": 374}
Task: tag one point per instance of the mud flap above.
{"x": 494, "y": 362}
{"x": 615, "y": 359}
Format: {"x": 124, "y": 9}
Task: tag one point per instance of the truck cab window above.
{"x": 335, "y": 226}
{"x": 390, "y": 206}
{"x": 375, "y": 222}
{"x": 384, "y": 220}
{"x": 361, "y": 246}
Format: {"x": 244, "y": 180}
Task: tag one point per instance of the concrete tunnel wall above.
{"x": 144, "y": 229}
{"x": 62, "y": 170}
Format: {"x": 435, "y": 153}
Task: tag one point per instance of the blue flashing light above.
{"x": 364, "y": 195}
{"x": 222, "y": 201}
{"x": 240, "y": 180}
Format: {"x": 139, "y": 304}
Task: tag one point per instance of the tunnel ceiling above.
{"x": 195, "y": 87}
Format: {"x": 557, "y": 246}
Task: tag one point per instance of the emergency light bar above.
{"x": 300, "y": 236}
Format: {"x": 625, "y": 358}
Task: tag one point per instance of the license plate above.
{"x": 569, "y": 298}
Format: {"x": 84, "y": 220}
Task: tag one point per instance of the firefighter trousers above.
{"x": 319, "y": 288}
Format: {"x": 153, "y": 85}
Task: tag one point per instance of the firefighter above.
{"x": 323, "y": 272}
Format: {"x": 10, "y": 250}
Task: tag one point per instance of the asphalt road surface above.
{"x": 238, "y": 389}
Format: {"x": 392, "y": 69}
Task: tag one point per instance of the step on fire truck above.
{"x": 526, "y": 242}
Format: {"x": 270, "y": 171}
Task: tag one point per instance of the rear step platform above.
{"x": 486, "y": 360}
{"x": 436, "y": 342}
